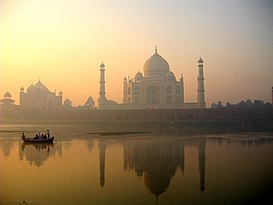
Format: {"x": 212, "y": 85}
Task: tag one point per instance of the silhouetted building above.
{"x": 39, "y": 97}
{"x": 243, "y": 104}
{"x": 156, "y": 89}
{"x": 67, "y": 105}
{"x": 7, "y": 103}
{"x": 89, "y": 105}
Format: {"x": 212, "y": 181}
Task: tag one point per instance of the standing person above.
{"x": 48, "y": 134}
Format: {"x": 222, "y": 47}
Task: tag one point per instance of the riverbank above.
{"x": 181, "y": 121}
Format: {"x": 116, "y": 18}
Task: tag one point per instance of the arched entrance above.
{"x": 152, "y": 95}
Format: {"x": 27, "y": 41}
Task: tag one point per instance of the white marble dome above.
{"x": 156, "y": 66}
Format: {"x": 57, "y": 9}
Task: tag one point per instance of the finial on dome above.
{"x": 155, "y": 49}
{"x": 102, "y": 65}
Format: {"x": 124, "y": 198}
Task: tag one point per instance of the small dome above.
{"x": 156, "y": 66}
{"x": 22, "y": 88}
{"x": 7, "y": 95}
{"x": 67, "y": 101}
{"x": 138, "y": 76}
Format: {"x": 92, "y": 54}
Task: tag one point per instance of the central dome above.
{"x": 156, "y": 66}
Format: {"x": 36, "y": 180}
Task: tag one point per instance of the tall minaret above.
{"x": 125, "y": 90}
{"x": 182, "y": 88}
{"x": 102, "y": 98}
{"x": 201, "y": 88}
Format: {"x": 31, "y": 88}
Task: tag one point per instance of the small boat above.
{"x": 35, "y": 140}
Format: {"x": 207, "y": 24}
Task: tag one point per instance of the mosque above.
{"x": 39, "y": 97}
{"x": 157, "y": 88}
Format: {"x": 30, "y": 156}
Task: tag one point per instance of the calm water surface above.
{"x": 82, "y": 167}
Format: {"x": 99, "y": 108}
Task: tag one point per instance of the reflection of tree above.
{"x": 38, "y": 153}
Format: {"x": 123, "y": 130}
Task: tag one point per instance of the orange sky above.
{"x": 63, "y": 42}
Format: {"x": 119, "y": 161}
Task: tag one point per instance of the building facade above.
{"x": 39, "y": 97}
{"x": 7, "y": 103}
{"x": 156, "y": 88}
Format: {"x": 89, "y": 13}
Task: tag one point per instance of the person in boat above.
{"x": 36, "y": 137}
{"x": 48, "y": 134}
{"x": 23, "y": 135}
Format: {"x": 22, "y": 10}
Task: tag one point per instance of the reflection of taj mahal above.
{"x": 157, "y": 88}
{"x": 156, "y": 160}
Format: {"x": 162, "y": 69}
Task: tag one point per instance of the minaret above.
{"x": 182, "y": 88}
{"x": 102, "y": 98}
{"x": 125, "y": 90}
{"x": 201, "y": 88}
{"x": 22, "y": 93}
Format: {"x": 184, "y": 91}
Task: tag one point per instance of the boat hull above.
{"x": 32, "y": 140}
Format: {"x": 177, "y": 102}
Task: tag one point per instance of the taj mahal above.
{"x": 155, "y": 88}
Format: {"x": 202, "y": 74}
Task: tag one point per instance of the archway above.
{"x": 152, "y": 95}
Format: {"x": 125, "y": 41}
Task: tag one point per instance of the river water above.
{"x": 93, "y": 166}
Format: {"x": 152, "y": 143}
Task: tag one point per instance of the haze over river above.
{"x": 103, "y": 166}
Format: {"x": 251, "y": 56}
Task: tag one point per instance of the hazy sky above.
{"x": 63, "y": 42}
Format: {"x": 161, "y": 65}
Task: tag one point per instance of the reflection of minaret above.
{"x": 182, "y": 158}
{"x": 272, "y": 95}
{"x": 102, "y": 148}
{"x": 202, "y": 159}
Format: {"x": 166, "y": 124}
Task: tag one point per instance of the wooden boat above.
{"x": 35, "y": 140}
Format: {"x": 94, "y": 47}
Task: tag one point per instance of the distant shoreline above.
{"x": 180, "y": 121}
